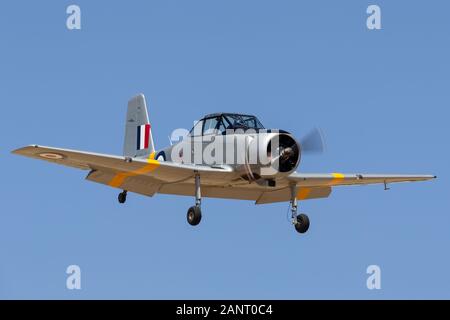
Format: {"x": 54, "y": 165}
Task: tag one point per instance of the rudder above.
{"x": 138, "y": 132}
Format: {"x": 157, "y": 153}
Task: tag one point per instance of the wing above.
{"x": 318, "y": 185}
{"x": 340, "y": 179}
{"x": 144, "y": 176}
{"x": 313, "y": 186}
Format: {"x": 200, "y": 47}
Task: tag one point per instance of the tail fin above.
{"x": 138, "y": 132}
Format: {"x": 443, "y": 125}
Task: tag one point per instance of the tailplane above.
{"x": 138, "y": 131}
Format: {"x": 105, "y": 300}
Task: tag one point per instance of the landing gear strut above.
{"x": 301, "y": 221}
{"x": 194, "y": 214}
{"x": 122, "y": 196}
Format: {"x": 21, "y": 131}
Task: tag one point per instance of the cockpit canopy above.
{"x": 219, "y": 123}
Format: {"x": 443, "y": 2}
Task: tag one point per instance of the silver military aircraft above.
{"x": 225, "y": 155}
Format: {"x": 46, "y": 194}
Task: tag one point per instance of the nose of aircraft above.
{"x": 285, "y": 152}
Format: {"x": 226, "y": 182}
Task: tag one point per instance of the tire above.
{"x": 122, "y": 197}
{"x": 302, "y": 224}
{"x": 194, "y": 215}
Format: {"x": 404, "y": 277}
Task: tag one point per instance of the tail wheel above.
{"x": 302, "y": 224}
{"x": 194, "y": 215}
{"x": 122, "y": 197}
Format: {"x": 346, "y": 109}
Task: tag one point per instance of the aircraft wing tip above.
{"x": 21, "y": 150}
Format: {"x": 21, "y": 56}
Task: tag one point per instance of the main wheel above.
{"x": 302, "y": 224}
{"x": 194, "y": 215}
{"x": 122, "y": 197}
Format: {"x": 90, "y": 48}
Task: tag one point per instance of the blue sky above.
{"x": 381, "y": 97}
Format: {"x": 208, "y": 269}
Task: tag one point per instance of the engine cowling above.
{"x": 271, "y": 155}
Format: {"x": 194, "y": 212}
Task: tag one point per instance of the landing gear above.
{"x": 301, "y": 221}
{"x": 194, "y": 214}
{"x": 122, "y": 196}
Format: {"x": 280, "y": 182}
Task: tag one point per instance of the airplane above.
{"x": 255, "y": 164}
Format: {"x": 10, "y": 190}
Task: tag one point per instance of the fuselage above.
{"x": 254, "y": 152}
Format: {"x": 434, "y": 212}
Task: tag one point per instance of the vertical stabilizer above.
{"x": 138, "y": 131}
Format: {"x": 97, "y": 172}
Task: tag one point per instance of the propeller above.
{"x": 313, "y": 142}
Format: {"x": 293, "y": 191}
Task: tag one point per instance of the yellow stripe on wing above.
{"x": 120, "y": 177}
{"x": 303, "y": 193}
{"x": 337, "y": 178}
